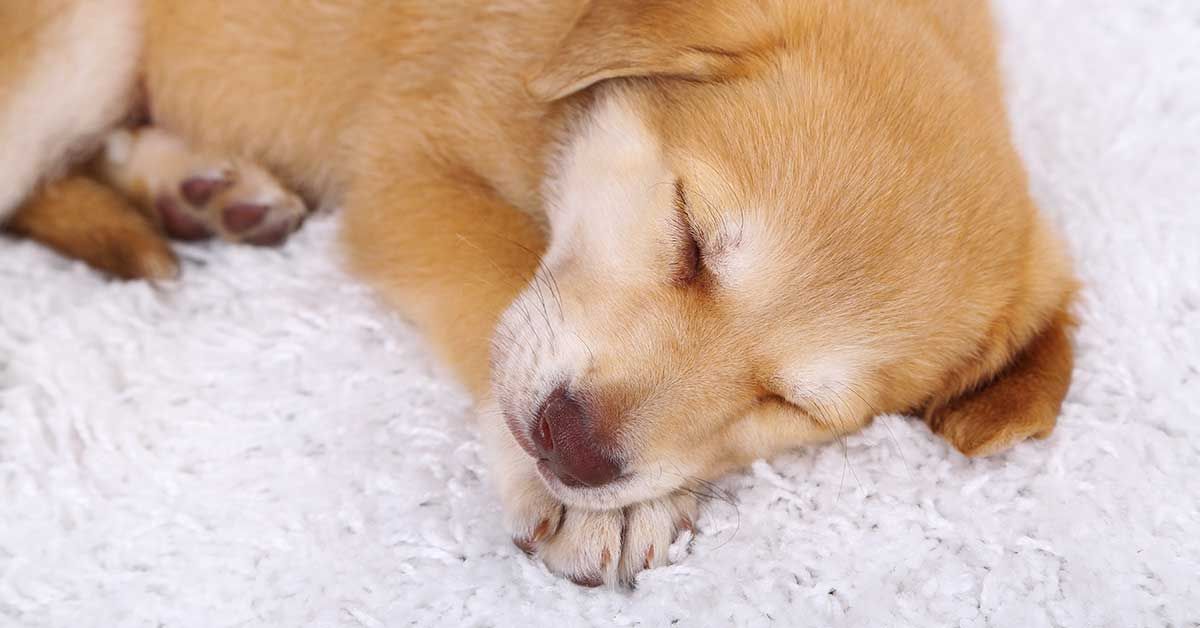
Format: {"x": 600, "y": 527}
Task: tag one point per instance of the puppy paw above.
{"x": 612, "y": 547}
{"x": 195, "y": 196}
{"x": 589, "y": 547}
{"x": 240, "y": 202}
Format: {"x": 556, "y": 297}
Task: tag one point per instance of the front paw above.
{"x": 595, "y": 547}
{"x": 589, "y": 547}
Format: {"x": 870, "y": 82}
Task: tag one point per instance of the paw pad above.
{"x": 198, "y": 191}
{"x": 241, "y": 205}
{"x": 180, "y": 223}
{"x": 590, "y": 582}
{"x": 242, "y": 217}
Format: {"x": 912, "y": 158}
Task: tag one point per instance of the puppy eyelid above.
{"x": 770, "y": 397}
{"x": 767, "y": 397}
{"x": 690, "y": 262}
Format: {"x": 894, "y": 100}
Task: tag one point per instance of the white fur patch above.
{"x": 742, "y": 261}
{"x": 609, "y": 177}
{"x": 79, "y": 83}
{"x": 827, "y": 381}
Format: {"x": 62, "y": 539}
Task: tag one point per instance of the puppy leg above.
{"x": 448, "y": 254}
{"x": 67, "y": 74}
{"x": 84, "y": 219}
{"x": 193, "y": 195}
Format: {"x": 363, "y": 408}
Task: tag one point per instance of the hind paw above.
{"x": 195, "y": 196}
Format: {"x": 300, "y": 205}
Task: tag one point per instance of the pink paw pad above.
{"x": 200, "y": 190}
{"x": 242, "y": 217}
{"x": 178, "y": 223}
{"x": 273, "y": 235}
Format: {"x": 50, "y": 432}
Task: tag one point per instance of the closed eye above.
{"x": 689, "y": 264}
{"x": 775, "y": 399}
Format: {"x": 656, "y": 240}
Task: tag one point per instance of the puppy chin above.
{"x": 632, "y": 488}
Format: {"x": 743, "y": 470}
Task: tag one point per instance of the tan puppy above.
{"x": 695, "y": 232}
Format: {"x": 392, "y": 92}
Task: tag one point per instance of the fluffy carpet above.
{"x": 262, "y": 445}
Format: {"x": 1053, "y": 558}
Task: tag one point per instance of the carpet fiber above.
{"x": 262, "y": 445}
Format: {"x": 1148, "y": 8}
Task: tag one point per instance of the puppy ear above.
{"x": 1021, "y": 401}
{"x": 642, "y": 38}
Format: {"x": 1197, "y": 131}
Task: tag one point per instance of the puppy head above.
{"x": 764, "y": 242}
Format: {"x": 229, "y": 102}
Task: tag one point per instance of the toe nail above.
{"x": 649, "y": 558}
{"x": 541, "y": 531}
{"x": 530, "y": 544}
{"x": 605, "y": 557}
{"x": 199, "y": 190}
{"x": 242, "y": 217}
{"x": 178, "y": 223}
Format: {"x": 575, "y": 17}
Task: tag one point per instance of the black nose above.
{"x": 565, "y": 439}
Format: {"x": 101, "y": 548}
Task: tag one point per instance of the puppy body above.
{"x": 696, "y": 232}
{"x": 67, "y": 73}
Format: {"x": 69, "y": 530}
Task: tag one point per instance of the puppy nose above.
{"x": 565, "y": 440}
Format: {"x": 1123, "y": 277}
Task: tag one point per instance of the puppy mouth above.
{"x": 616, "y": 494}
{"x": 567, "y": 482}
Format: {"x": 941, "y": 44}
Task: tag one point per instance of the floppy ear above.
{"x": 1021, "y": 401}
{"x": 629, "y": 38}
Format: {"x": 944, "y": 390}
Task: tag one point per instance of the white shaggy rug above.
{"x": 260, "y": 445}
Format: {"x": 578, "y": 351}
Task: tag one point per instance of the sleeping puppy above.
{"x": 657, "y": 239}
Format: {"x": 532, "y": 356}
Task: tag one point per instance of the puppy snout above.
{"x": 565, "y": 439}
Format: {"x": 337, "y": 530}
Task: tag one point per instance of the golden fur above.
{"x": 731, "y": 227}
